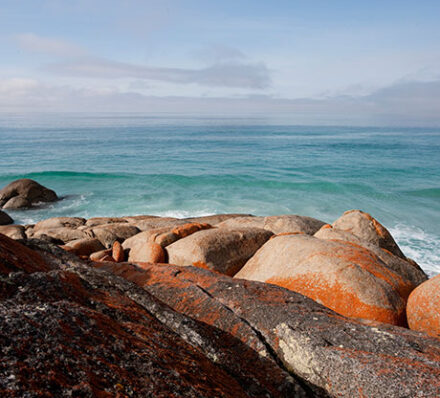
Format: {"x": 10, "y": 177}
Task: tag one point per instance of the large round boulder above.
{"x": 367, "y": 228}
{"x": 5, "y": 219}
{"x": 220, "y": 249}
{"x": 408, "y": 269}
{"x": 343, "y": 276}
{"x": 24, "y": 193}
{"x": 423, "y": 309}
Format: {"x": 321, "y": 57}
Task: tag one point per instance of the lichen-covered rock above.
{"x": 100, "y": 255}
{"x": 146, "y": 223}
{"x": 118, "y": 252}
{"x": 63, "y": 234}
{"x": 182, "y": 231}
{"x": 276, "y": 224}
{"x": 423, "y": 309}
{"x": 409, "y": 270}
{"x": 220, "y": 249}
{"x": 367, "y": 228}
{"x": 95, "y": 221}
{"x": 149, "y": 252}
{"x": 343, "y": 276}
{"x": 5, "y": 219}
{"x": 85, "y": 247}
{"x": 24, "y": 193}
{"x": 13, "y": 231}
{"x": 67, "y": 329}
{"x": 60, "y": 222}
{"x": 329, "y": 354}
{"x": 108, "y": 233}
{"x": 215, "y": 218}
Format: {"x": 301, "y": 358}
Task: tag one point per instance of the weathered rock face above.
{"x": 24, "y": 193}
{"x": 406, "y": 269}
{"x": 276, "y": 224}
{"x": 85, "y": 247}
{"x": 423, "y": 309}
{"x": 343, "y": 276}
{"x": 13, "y": 231}
{"x": 5, "y": 219}
{"x": 69, "y": 330}
{"x": 63, "y": 234}
{"x": 215, "y": 218}
{"x": 329, "y": 354}
{"x": 221, "y": 249}
{"x": 149, "y": 252}
{"x": 95, "y": 221}
{"x": 368, "y": 229}
{"x": 60, "y": 222}
{"x": 108, "y": 233}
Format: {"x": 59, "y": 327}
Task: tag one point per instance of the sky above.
{"x": 338, "y": 61}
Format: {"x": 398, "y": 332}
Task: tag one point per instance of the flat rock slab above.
{"x": 223, "y": 250}
{"x": 331, "y": 355}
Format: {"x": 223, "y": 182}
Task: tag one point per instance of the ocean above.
{"x": 174, "y": 165}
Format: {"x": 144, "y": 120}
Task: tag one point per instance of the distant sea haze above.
{"x": 113, "y": 165}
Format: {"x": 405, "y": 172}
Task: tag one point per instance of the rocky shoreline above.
{"x": 226, "y": 305}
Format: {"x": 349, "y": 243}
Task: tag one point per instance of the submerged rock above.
{"x": 24, "y": 193}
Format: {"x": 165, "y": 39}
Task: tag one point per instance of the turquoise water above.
{"x": 107, "y": 165}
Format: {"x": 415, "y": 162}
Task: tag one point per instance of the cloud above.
{"x": 47, "y": 45}
{"x": 234, "y": 75}
{"x": 403, "y": 104}
{"x": 219, "y": 53}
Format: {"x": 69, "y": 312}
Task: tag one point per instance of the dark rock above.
{"x": 5, "y": 219}
{"x": 67, "y": 329}
{"x": 24, "y": 193}
{"x": 331, "y": 355}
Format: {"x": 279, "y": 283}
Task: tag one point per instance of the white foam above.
{"x": 422, "y": 247}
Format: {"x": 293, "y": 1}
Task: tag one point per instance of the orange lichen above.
{"x": 118, "y": 252}
{"x": 339, "y": 298}
{"x": 287, "y": 233}
{"x": 187, "y": 229}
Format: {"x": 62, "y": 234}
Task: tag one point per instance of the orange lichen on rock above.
{"x": 337, "y": 297}
{"x": 187, "y": 229}
{"x": 423, "y": 309}
{"x": 287, "y": 233}
{"x": 343, "y": 276}
{"x": 118, "y": 252}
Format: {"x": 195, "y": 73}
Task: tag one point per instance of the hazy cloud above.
{"x": 48, "y": 45}
{"x": 238, "y": 75}
{"x": 411, "y": 103}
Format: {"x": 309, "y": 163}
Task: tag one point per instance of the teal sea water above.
{"x": 107, "y": 165}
